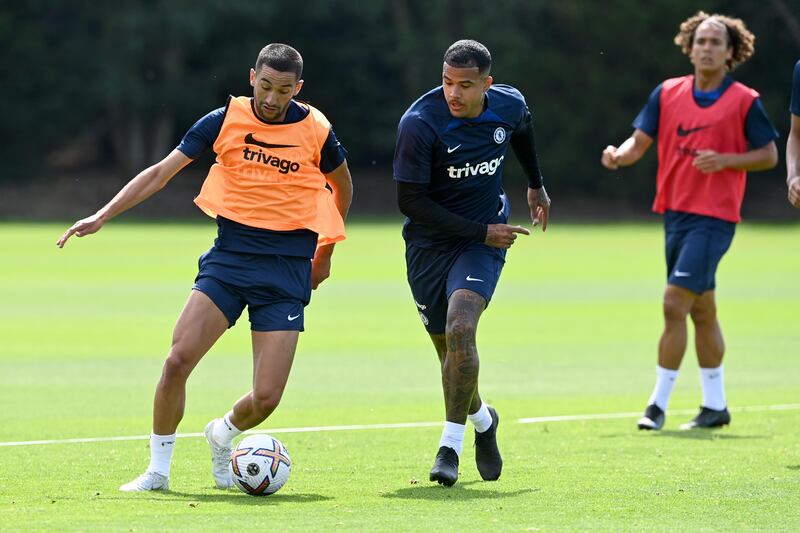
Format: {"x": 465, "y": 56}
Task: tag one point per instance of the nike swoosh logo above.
{"x": 453, "y": 149}
{"x": 470, "y": 278}
{"x": 249, "y": 139}
{"x": 682, "y": 274}
{"x": 290, "y": 317}
{"x": 683, "y": 133}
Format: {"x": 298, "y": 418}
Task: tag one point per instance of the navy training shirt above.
{"x": 235, "y": 237}
{"x": 461, "y": 159}
{"x": 758, "y": 129}
{"x": 794, "y": 105}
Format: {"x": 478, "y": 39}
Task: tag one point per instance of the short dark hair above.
{"x": 282, "y": 58}
{"x": 467, "y": 53}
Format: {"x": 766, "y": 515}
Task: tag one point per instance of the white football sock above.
{"x": 453, "y": 436}
{"x": 481, "y": 419}
{"x": 665, "y": 379}
{"x": 713, "y": 388}
{"x": 161, "y": 447}
{"x": 224, "y": 431}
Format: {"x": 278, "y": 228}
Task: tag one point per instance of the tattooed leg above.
{"x": 440, "y": 343}
{"x": 461, "y": 365}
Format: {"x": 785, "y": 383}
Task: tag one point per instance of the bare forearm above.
{"x": 759, "y": 159}
{"x": 793, "y": 156}
{"x": 342, "y": 197}
{"x": 629, "y": 152}
{"x": 144, "y": 185}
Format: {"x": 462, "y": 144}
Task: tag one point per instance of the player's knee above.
{"x": 264, "y": 402}
{"x": 461, "y": 331}
{"x": 674, "y": 309}
{"x": 179, "y": 364}
{"x": 704, "y": 315}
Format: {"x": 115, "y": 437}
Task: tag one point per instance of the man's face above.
{"x": 272, "y": 91}
{"x": 710, "y": 48}
{"x": 464, "y": 89}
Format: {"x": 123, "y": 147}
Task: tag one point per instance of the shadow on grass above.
{"x": 704, "y": 434}
{"x": 793, "y": 467}
{"x": 234, "y": 497}
{"x": 459, "y": 491}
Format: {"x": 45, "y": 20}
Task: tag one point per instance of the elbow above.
{"x": 771, "y": 158}
{"x": 403, "y": 206}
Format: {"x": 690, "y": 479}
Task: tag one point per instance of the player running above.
{"x": 279, "y": 190}
{"x": 448, "y": 164}
{"x": 711, "y": 130}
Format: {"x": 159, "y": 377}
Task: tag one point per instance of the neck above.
{"x": 708, "y": 81}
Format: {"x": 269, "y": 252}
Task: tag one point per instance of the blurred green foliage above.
{"x": 118, "y": 83}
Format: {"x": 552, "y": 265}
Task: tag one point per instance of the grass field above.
{"x": 572, "y": 331}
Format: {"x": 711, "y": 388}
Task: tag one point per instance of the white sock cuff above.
{"x": 162, "y": 439}
{"x": 453, "y": 436}
{"x": 710, "y": 372}
{"x": 481, "y": 419}
{"x": 666, "y": 372}
{"x": 227, "y": 420}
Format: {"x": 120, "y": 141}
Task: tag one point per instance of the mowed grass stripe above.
{"x": 407, "y": 425}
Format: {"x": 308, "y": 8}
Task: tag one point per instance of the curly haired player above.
{"x": 711, "y": 130}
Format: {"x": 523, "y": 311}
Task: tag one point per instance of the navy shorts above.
{"x": 694, "y": 246}
{"x": 274, "y": 288}
{"x": 434, "y": 275}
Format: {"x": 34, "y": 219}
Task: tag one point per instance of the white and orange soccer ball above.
{"x": 260, "y": 465}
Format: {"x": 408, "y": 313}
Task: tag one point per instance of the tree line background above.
{"x": 92, "y": 92}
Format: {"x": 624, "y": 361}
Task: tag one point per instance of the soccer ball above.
{"x": 260, "y": 465}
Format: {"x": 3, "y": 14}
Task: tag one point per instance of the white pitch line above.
{"x": 404, "y": 425}
{"x": 609, "y": 416}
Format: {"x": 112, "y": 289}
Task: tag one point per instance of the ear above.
{"x": 298, "y": 87}
{"x": 487, "y": 83}
{"x": 252, "y": 77}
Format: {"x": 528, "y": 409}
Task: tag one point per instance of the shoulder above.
{"x": 743, "y": 89}
{"x": 507, "y": 103}
{"x": 506, "y": 93}
{"x": 318, "y": 116}
{"x": 427, "y": 115}
{"x": 672, "y": 83}
{"x": 431, "y": 108}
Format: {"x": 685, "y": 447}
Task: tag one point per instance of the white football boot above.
{"x": 220, "y": 457}
{"x": 147, "y": 481}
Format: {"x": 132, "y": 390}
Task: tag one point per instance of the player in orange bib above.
{"x": 279, "y": 191}
{"x": 711, "y": 131}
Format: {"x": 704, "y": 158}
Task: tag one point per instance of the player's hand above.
{"x": 83, "y": 227}
{"x": 794, "y": 191}
{"x": 609, "y": 159}
{"x": 708, "y": 161}
{"x": 503, "y": 235}
{"x": 539, "y": 204}
{"x": 321, "y": 265}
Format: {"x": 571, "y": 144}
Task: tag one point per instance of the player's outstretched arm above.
{"x": 793, "y": 162}
{"x": 763, "y": 158}
{"x": 144, "y": 185}
{"x": 628, "y": 152}
{"x": 341, "y": 185}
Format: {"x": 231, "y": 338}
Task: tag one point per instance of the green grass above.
{"x": 572, "y": 330}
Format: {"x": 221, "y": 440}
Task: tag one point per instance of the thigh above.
{"x": 213, "y": 280}
{"x": 427, "y": 272}
{"x": 199, "y": 326}
{"x": 273, "y": 354}
{"x": 477, "y": 269}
